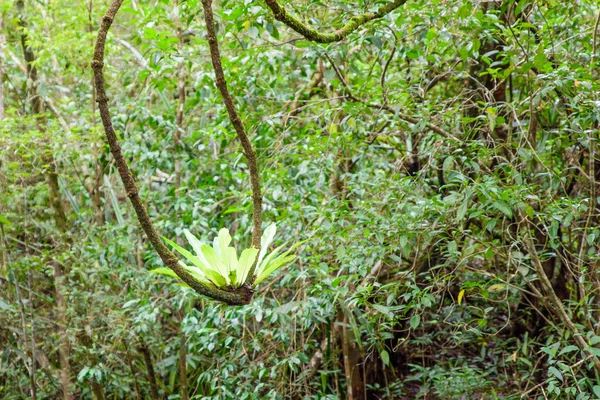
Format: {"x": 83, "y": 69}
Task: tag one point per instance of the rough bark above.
{"x": 314, "y": 35}
{"x": 354, "y": 383}
{"x": 236, "y": 121}
{"x": 150, "y": 371}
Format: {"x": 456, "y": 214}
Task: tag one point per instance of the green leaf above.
{"x": 246, "y": 260}
{"x": 193, "y": 240}
{"x": 265, "y": 241}
{"x": 593, "y": 351}
{"x": 214, "y": 260}
{"x": 568, "y": 349}
{"x": 382, "y": 309}
{"x": 503, "y": 207}
{"x": 274, "y": 266}
{"x": 211, "y": 274}
{"x": 415, "y": 321}
{"x": 554, "y": 371}
{"x": 270, "y": 265}
{"x": 115, "y": 204}
{"x": 230, "y": 15}
{"x": 596, "y": 390}
{"x": 224, "y": 240}
{"x": 197, "y": 274}
{"x": 594, "y": 340}
{"x": 4, "y": 220}
{"x": 447, "y": 164}
{"x": 4, "y": 306}
{"x": 231, "y": 258}
{"x": 413, "y": 53}
{"x": 164, "y": 271}
{"x": 385, "y": 357}
{"x": 272, "y": 29}
{"x": 262, "y": 265}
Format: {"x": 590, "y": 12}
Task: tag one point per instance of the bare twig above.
{"x": 136, "y": 53}
{"x": 407, "y": 118}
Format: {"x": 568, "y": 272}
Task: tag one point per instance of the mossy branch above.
{"x": 314, "y": 35}
{"x": 221, "y": 83}
{"x": 240, "y": 296}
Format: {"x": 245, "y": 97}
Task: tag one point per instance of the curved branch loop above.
{"x": 241, "y": 296}
{"x": 314, "y": 35}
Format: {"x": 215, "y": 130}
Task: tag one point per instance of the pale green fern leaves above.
{"x": 219, "y": 265}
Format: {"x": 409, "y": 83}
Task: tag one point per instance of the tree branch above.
{"x": 309, "y": 33}
{"x": 556, "y": 304}
{"x": 221, "y": 83}
{"x": 240, "y": 296}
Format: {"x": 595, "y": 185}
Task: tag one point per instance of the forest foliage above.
{"x": 432, "y": 168}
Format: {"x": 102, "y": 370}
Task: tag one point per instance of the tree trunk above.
{"x": 354, "y": 382}
{"x": 56, "y": 204}
{"x": 150, "y": 371}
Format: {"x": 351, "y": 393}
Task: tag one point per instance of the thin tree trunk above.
{"x": 2, "y": 44}
{"x": 56, "y": 204}
{"x": 32, "y": 340}
{"x": 183, "y": 366}
{"x": 136, "y": 386}
{"x": 63, "y": 347}
{"x": 150, "y": 370}
{"x": 354, "y": 382}
{"x": 30, "y": 367}
{"x": 96, "y": 191}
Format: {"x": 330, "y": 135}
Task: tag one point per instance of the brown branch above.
{"x": 555, "y": 304}
{"x": 237, "y": 297}
{"x": 143, "y": 348}
{"x": 221, "y": 83}
{"x": 314, "y": 35}
{"x": 54, "y": 110}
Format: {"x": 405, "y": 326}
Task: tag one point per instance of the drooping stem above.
{"x": 281, "y": 14}
{"x": 221, "y": 83}
{"x": 239, "y": 297}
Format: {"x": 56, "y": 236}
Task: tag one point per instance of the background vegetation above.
{"x": 441, "y": 162}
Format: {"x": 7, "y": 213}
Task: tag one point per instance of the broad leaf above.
{"x": 265, "y": 241}
{"x": 224, "y": 240}
{"x": 208, "y": 271}
{"x": 274, "y": 266}
{"x": 246, "y": 260}
{"x": 215, "y": 261}
{"x": 193, "y": 240}
{"x": 165, "y": 271}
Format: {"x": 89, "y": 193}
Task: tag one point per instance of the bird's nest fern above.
{"x": 218, "y": 266}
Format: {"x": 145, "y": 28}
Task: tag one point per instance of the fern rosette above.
{"x": 219, "y": 266}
